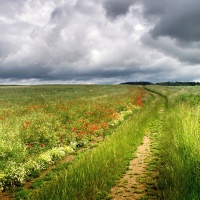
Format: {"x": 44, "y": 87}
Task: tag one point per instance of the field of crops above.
{"x": 41, "y": 125}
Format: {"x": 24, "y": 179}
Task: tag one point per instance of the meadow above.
{"x": 41, "y": 125}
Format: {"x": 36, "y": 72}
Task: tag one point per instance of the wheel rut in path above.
{"x": 133, "y": 184}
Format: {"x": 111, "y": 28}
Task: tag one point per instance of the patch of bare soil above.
{"x": 133, "y": 185}
{"x": 4, "y": 196}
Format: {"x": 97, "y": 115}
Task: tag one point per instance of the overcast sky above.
{"x": 99, "y": 41}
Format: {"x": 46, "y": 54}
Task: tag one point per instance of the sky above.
{"x": 99, "y": 41}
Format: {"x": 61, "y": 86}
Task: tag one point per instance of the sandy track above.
{"x": 131, "y": 185}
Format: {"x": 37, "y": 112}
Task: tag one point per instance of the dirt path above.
{"x": 133, "y": 184}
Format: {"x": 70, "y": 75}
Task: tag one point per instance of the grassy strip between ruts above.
{"x": 181, "y": 173}
{"x": 95, "y": 172}
{"x": 179, "y": 139}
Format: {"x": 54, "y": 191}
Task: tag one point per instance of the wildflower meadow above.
{"x": 75, "y": 142}
{"x": 43, "y": 124}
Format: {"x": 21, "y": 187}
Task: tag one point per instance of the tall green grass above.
{"x": 181, "y": 150}
{"x": 93, "y": 174}
{"x": 179, "y": 144}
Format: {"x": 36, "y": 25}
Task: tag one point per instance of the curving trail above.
{"x": 131, "y": 185}
{"x": 140, "y": 181}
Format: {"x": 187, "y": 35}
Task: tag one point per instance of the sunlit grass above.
{"x": 181, "y": 172}
{"x": 96, "y": 171}
{"x": 179, "y": 144}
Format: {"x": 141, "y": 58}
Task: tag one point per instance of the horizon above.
{"x": 128, "y": 83}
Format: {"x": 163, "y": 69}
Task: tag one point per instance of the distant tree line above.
{"x": 179, "y": 83}
{"x": 138, "y": 83}
{"x": 163, "y": 83}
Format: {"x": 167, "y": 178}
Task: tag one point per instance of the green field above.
{"x": 101, "y": 126}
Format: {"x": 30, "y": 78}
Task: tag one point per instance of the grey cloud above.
{"x": 76, "y": 42}
{"x": 6, "y": 48}
{"x": 104, "y": 72}
{"x": 23, "y": 73}
{"x": 115, "y": 8}
{"x": 185, "y": 54}
{"x": 176, "y": 19}
{"x": 89, "y": 8}
{"x": 56, "y": 13}
{"x": 175, "y": 29}
{"x": 10, "y": 7}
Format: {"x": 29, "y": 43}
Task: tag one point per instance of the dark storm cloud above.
{"x": 105, "y": 72}
{"x": 81, "y": 41}
{"x": 115, "y": 8}
{"x": 187, "y": 54}
{"x": 22, "y": 73}
{"x": 175, "y": 29}
{"x": 176, "y": 19}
